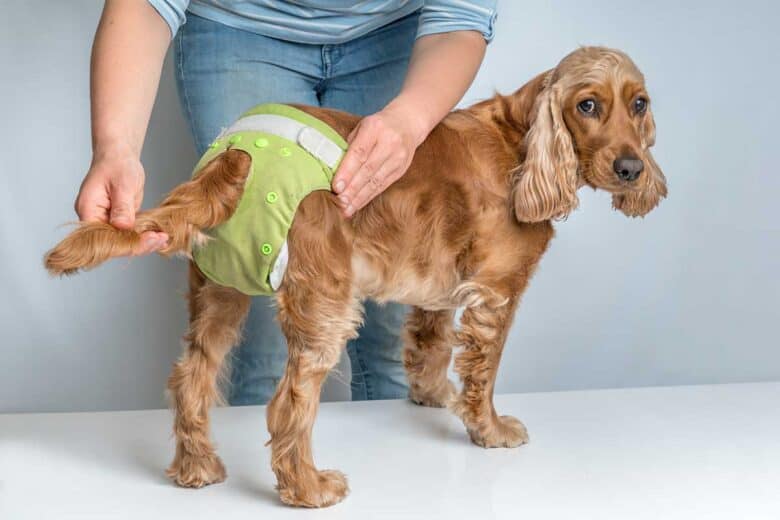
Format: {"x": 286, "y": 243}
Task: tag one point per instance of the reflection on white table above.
{"x": 701, "y": 452}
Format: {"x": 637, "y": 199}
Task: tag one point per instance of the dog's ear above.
{"x": 652, "y": 183}
{"x": 545, "y": 185}
{"x": 647, "y": 130}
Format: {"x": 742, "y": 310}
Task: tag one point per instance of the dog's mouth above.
{"x": 601, "y": 180}
{"x": 599, "y": 175}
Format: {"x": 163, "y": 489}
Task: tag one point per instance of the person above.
{"x": 402, "y": 64}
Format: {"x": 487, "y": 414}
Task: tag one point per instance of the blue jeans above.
{"x": 220, "y": 73}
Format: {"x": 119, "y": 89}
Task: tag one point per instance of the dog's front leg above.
{"x": 428, "y": 342}
{"x": 484, "y": 328}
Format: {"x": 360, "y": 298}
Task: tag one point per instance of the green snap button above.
{"x": 215, "y": 144}
{"x": 266, "y": 249}
{"x": 285, "y": 152}
{"x": 261, "y": 142}
{"x": 271, "y": 197}
{"x": 235, "y": 139}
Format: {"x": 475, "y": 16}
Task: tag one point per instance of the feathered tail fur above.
{"x": 204, "y": 202}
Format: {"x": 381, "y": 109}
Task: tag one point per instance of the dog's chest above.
{"x": 402, "y": 281}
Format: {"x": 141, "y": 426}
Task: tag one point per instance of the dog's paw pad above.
{"x": 506, "y": 432}
{"x": 196, "y": 472}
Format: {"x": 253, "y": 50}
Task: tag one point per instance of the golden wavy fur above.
{"x": 465, "y": 227}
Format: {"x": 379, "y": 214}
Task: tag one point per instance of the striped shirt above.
{"x": 332, "y": 21}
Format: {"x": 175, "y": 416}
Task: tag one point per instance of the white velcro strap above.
{"x": 307, "y": 137}
{"x": 276, "y": 275}
{"x": 315, "y": 142}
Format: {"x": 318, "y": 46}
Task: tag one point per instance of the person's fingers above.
{"x": 123, "y": 203}
{"x": 151, "y": 241}
{"x": 371, "y": 173}
{"x": 92, "y": 201}
{"x": 352, "y": 134}
{"x": 138, "y": 199}
{"x": 364, "y": 139}
{"x": 90, "y": 210}
{"x": 388, "y": 173}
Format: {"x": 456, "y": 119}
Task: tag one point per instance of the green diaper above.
{"x": 293, "y": 154}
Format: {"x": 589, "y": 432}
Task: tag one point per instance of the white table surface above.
{"x": 694, "y": 452}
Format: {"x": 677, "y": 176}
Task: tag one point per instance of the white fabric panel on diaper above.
{"x": 280, "y": 266}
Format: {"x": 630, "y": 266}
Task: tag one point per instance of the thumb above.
{"x": 122, "y": 206}
{"x": 353, "y": 133}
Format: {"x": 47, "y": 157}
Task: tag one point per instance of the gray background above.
{"x": 687, "y": 295}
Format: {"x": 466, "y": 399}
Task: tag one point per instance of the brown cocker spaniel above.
{"x": 465, "y": 227}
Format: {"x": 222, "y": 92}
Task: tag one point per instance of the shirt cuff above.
{"x": 436, "y": 21}
{"x": 172, "y": 12}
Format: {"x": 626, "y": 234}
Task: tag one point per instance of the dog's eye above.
{"x": 587, "y": 107}
{"x": 640, "y": 105}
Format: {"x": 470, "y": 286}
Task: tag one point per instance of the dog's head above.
{"x": 591, "y": 125}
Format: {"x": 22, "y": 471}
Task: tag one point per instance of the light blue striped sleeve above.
{"x": 440, "y": 16}
{"x": 172, "y": 11}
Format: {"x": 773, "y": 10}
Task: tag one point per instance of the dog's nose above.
{"x": 628, "y": 168}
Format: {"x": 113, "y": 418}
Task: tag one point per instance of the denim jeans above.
{"x": 220, "y": 73}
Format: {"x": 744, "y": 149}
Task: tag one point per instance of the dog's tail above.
{"x": 204, "y": 202}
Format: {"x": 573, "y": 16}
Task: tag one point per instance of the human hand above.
{"x": 112, "y": 192}
{"x": 380, "y": 150}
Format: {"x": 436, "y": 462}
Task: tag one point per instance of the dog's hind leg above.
{"x": 317, "y": 329}
{"x": 318, "y": 314}
{"x": 484, "y": 328}
{"x": 216, "y": 316}
{"x": 428, "y": 341}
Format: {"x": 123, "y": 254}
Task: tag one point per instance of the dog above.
{"x": 465, "y": 227}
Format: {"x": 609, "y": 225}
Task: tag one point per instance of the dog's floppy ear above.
{"x": 652, "y": 183}
{"x": 545, "y": 185}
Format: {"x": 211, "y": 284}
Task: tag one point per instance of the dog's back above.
{"x": 419, "y": 240}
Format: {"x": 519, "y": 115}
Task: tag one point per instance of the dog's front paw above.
{"x": 321, "y": 489}
{"x": 196, "y": 471}
{"x": 506, "y": 432}
{"x": 439, "y": 398}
